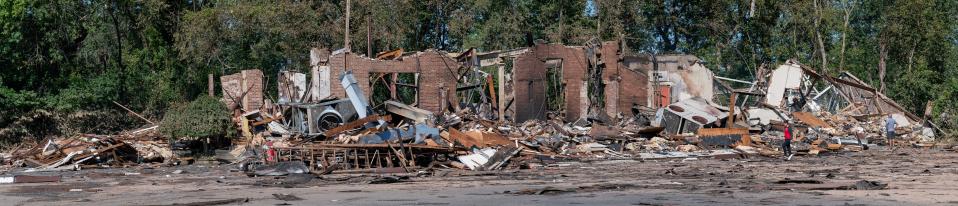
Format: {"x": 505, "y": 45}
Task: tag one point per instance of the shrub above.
{"x": 205, "y": 117}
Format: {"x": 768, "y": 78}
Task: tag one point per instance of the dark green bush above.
{"x": 204, "y": 117}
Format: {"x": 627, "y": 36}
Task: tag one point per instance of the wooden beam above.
{"x": 354, "y": 124}
{"x": 731, "y": 111}
{"x": 134, "y": 113}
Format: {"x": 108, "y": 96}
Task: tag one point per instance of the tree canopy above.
{"x": 69, "y": 56}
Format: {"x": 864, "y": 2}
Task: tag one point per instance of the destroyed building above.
{"x": 480, "y": 110}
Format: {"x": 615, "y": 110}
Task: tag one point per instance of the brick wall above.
{"x": 437, "y": 71}
{"x": 530, "y": 75}
{"x": 245, "y": 87}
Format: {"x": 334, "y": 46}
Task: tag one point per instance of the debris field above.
{"x": 546, "y": 124}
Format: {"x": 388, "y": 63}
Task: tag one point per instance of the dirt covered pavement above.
{"x": 897, "y": 177}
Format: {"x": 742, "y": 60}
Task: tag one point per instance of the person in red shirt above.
{"x": 787, "y": 144}
{"x": 270, "y": 152}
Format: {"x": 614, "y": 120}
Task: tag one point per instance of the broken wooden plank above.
{"x": 727, "y": 137}
{"x": 810, "y": 119}
{"x": 354, "y": 124}
{"x": 477, "y": 138}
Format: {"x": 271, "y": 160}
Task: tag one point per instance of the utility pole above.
{"x": 369, "y": 47}
{"x": 560, "y": 27}
{"x": 346, "y": 44}
{"x": 209, "y": 83}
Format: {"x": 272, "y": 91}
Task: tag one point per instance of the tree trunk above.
{"x": 882, "y": 55}
{"x": 818, "y": 36}
{"x": 911, "y": 55}
{"x": 119, "y": 50}
{"x": 848, "y": 13}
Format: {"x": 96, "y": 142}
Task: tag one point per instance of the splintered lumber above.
{"x": 810, "y": 119}
{"x": 85, "y": 155}
{"x": 354, "y": 124}
{"x": 477, "y": 138}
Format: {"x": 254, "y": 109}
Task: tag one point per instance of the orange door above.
{"x": 664, "y": 95}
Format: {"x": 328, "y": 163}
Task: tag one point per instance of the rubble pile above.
{"x": 92, "y": 151}
{"x": 482, "y": 122}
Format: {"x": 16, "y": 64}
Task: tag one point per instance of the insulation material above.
{"x": 762, "y": 116}
{"x": 786, "y": 76}
{"x": 901, "y": 120}
{"x": 320, "y": 79}
{"x": 695, "y": 81}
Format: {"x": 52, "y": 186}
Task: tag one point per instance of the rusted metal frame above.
{"x": 380, "y": 146}
{"x": 400, "y": 156}
{"x": 389, "y": 159}
{"x": 355, "y": 153}
{"x": 412, "y": 156}
{"x": 368, "y": 163}
{"x": 378, "y": 162}
{"x": 324, "y": 159}
{"x": 351, "y": 157}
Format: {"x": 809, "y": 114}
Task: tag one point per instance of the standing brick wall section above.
{"x": 612, "y": 77}
{"x": 246, "y": 87}
{"x": 529, "y": 81}
{"x": 633, "y": 90}
{"x": 437, "y": 71}
{"x": 624, "y": 87}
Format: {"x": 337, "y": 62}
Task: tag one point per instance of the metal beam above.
{"x": 734, "y": 80}
{"x": 409, "y": 112}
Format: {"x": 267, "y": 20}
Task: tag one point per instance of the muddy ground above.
{"x": 913, "y": 177}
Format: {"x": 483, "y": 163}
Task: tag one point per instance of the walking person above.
{"x": 787, "y": 144}
{"x": 890, "y": 129}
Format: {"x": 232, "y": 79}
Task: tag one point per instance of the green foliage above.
{"x": 205, "y": 117}
{"x": 86, "y": 93}
{"x": 63, "y": 57}
{"x": 11, "y": 12}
